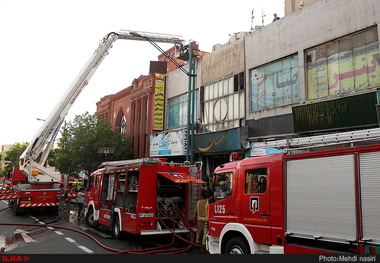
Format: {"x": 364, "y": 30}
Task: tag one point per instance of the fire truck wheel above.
{"x": 16, "y": 209}
{"x": 237, "y": 245}
{"x": 116, "y": 231}
{"x": 90, "y": 220}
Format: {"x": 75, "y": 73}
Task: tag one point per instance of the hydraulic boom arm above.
{"x": 44, "y": 139}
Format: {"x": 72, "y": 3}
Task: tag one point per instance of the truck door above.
{"x": 222, "y": 210}
{"x": 93, "y": 193}
{"x": 254, "y": 210}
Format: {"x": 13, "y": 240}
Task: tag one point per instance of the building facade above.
{"x": 131, "y": 112}
{"x": 294, "y": 5}
{"x": 314, "y": 71}
{"x": 318, "y": 63}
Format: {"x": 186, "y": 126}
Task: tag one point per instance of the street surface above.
{"x": 17, "y": 239}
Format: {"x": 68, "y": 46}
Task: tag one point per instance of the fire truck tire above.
{"x": 90, "y": 219}
{"x": 237, "y": 245}
{"x": 15, "y": 208}
{"x": 116, "y": 231}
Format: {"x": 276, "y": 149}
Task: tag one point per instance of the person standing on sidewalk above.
{"x": 81, "y": 198}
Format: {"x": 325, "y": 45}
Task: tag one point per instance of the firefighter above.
{"x": 62, "y": 198}
{"x": 201, "y": 216}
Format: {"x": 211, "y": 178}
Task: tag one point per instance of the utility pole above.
{"x": 191, "y": 105}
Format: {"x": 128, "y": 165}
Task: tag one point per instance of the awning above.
{"x": 181, "y": 178}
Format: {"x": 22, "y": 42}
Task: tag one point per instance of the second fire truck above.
{"x": 143, "y": 196}
{"x": 312, "y": 202}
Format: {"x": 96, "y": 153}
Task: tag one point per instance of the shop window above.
{"x": 222, "y": 104}
{"x": 178, "y": 110}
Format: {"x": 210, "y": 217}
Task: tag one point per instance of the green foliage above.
{"x": 13, "y": 154}
{"x": 80, "y": 141}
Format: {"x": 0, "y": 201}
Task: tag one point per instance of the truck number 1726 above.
{"x": 220, "y": 209}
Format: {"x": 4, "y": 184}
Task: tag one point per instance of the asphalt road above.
{"x": 47, "y": 240}
{"x": 31, "y": 239}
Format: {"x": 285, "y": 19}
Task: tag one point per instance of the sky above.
{"x": 44, "y": 44}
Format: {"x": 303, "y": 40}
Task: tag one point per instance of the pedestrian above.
{"x": 201, "y": 216}
{"x": 62, "y": 198}
{"x": 81, "y": 198}
{"x": 275, "y": 17}
{"x": 79, "y": 187}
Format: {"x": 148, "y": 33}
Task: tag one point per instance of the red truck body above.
{"x": 131, "y": 197}
{"x": 23, "y": 195}
{"x": 317, "y": 202}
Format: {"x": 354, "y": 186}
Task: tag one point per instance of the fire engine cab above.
{"x": 326, "y": 201}
{"x": 142, "y": 196}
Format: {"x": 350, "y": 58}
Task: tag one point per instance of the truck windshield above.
{"x": 223, "y": 186}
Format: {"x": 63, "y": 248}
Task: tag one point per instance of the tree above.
{"x": 14, "y": 154}
{"x": 80, "y": 141}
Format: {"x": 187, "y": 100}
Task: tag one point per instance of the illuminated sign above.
{"x": 159, "y": 102}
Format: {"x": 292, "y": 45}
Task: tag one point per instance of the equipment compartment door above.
{"x": 254, "y": 201}
{"x": 104, "y": 216}
{"x": 321, "y": 198}
{"x": 370, "y": 196}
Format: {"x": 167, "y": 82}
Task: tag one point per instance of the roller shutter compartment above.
{"x": 320, "y": 198}
{"x": 370, "y": 195}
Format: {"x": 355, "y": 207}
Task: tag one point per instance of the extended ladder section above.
{"x": 115, "y": 164}
{"x": 325, "y": 140}
{"x": 35, "y": 156}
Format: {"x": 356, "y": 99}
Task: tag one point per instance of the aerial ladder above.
{"x": 308, "y": 142}
{"x": 33, "y": 160}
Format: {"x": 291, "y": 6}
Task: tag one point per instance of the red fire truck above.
{"x": 24, "y": 195}
{"x": 325, "y": 201}
{"x": 140, "y": 196}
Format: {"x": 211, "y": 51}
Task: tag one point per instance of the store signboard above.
{"x": 217, "y": 141}
{"x": 159, "y": 99}
{"x": 257, "y": 149}
{"x": 168, "y": 144}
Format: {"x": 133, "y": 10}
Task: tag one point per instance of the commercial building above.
{"x": 314, "y": 71}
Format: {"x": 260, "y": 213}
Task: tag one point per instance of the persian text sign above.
{"x": 257, "y": 149}
{"x": 275, "y": 85}
{"x": 343, "y": 73}
{"x": 217, "y": 141}
{"x": 159, "y": 99}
